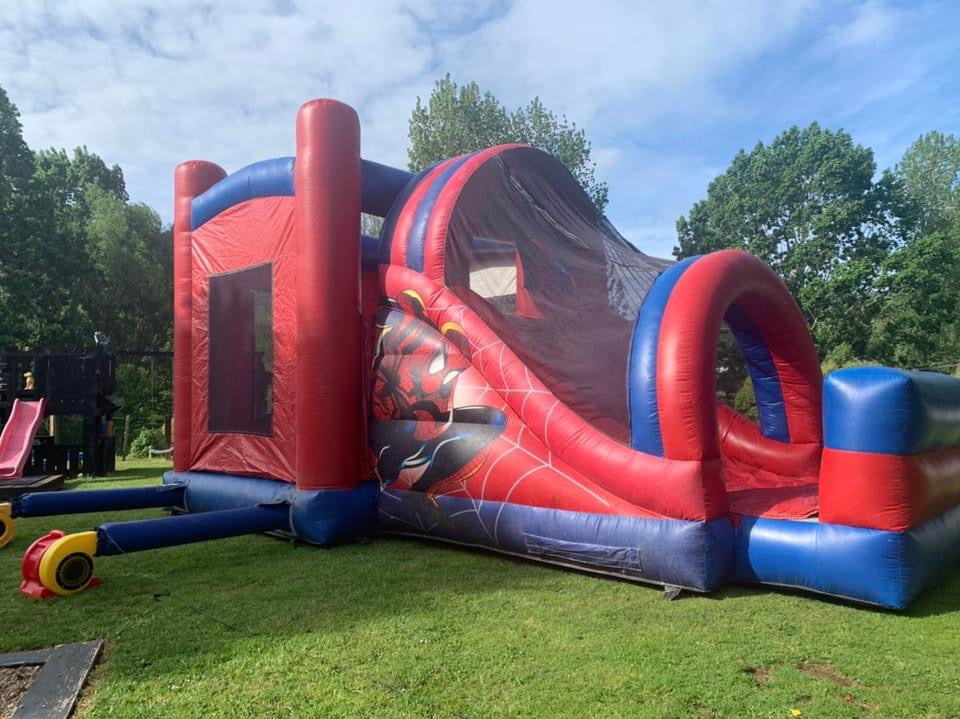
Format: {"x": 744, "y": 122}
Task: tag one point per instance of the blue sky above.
{"x": 668, "y": 92}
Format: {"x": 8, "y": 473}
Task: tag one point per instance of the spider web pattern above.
{"x": 519, "y": 466}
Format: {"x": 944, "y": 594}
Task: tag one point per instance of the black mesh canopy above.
{"x": 528, "y": 251}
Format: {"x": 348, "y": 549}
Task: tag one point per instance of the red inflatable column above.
{"x": 190, "y": 179}
{"x": 327, "y": 185}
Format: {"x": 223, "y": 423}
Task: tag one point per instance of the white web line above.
{"x": 457, "y": 311}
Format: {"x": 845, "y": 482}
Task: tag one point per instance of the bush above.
{"x": 745, "y": 402}
{"x": 145, "y": 441}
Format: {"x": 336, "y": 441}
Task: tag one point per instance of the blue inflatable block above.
{"x": 319, "y": 516}
{"x": 694, "y": 555}
{"x": 892, "y": 411}
{"x": 869, "y": 565}
{"x": 335, "y": 515}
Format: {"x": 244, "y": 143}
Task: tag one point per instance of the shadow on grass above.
{"x": 163, "y": 608}
{"x": 204, "y": 604}
{"x": 941, "y": 597}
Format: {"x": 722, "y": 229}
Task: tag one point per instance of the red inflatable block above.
{"x": 888, "y": 491}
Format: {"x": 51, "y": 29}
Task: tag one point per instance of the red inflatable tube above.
{"x": 327, "y": 183}
{"x": 740, "y": 440}
{"x": 401, "y": 231}
{"x": 686, "y": 357}
{"x": 189, "y": 180}
{"x": 888, "y": 491}
{"x": 436, "y": 237}
{"x": 690, "y": 490}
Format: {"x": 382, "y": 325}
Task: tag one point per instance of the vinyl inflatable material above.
{"x": 501, "y": 369}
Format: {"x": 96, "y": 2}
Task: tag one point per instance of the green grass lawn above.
{"x": 256, "y": 626}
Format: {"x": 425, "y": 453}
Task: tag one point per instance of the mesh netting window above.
{"x": 529, "y": 252}
{"x": 241, "y": 351}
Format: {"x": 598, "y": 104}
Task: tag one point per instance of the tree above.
{"x": 16, "y": 171}
{"x": 918, "y": 324}
{"x": 370, "y": 224}
{"x": 456, "y": 120}
{"x": 930, "y": 173}
{"x": 808, "y": 205}
{"x": 37, "y": 308}
{"x": 132, "y": 263}
{"x": 68, "y": 178}
{"x": 16, "y": 159}
{"x": 75, "y": 256}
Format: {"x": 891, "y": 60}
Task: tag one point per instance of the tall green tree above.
{"x": 809, "y": 206}
{"x": 131, "y": 258}
{"x": 37, "y": 307}
{"x": 75, "y": 256}
{"x": 455, "y": 120}
{"x": 930, "y": 174}
{"x": 16, "y": 171}
{"x": 16, "y": 159}
{"x": 917, "y": 325}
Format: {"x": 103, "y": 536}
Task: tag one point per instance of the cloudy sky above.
{"x": 667, "y": 91}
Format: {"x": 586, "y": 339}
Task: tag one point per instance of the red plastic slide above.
{"x": 17, "y": 437}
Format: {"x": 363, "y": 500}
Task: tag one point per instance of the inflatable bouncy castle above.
{"x": 501, "y": 369}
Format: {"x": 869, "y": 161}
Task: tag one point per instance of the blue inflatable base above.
{"x": 321, "y": 516}
{"x": 693, "y": 555}
{"x": 888, "y": 569}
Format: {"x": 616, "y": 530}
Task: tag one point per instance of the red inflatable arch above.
{"x": 686, "y": 358}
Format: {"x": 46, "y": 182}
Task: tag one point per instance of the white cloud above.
{"x": 874, "y": 22}
{"x": 149, "y": 83}
{"x": 653, "y": 58}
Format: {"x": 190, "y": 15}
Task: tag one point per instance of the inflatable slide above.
{"x": 501, "y": 369}
{"x": 16, "y": 440}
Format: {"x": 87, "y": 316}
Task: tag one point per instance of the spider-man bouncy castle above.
{"x": 500, "y": 368}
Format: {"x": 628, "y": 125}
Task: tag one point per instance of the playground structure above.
{"x": 501, "y": 369}
{"x": 54, "y": 385}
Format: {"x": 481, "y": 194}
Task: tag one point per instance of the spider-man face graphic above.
{"x": 420, "y": 439}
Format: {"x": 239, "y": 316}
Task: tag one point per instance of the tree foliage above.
{"x": 456, "y": 120}
{"x": 874, "y": 262}
{"x": 131, "y": 258}
{"x": 36, "y": 305}
{"x": 75, "y": 255}
{"x": 809, "y": 206}
{"x": 930, "y": 173}
{"x": 918, "y": 323}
